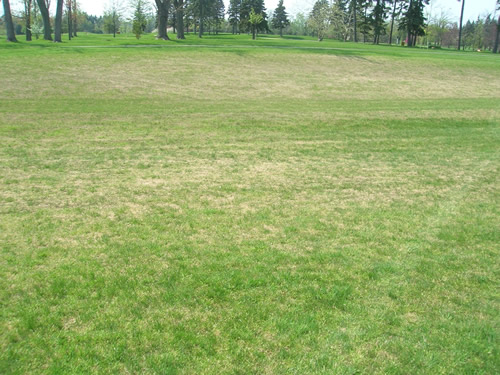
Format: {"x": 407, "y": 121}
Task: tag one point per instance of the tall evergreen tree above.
{"x": 378, "y": 15}
{"x": 9, "y": 25}
{"x": 280, "y": 18}
{"x": 413, "y": 21}
{"x": 219, "y": 12}
{"x": 364, "y": 20}
{"x": 234, "y": 14}
{"x": 139, "y": 20}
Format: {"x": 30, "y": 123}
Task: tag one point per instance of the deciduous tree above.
{"x": 43, "y": 5}
{"x": 298, "y": 25}
{"x": 9, "y": 25}
{"x": 75, "y": 18}
{"x": 254, "y": 21}
{"x": 69, "y": 12}
{"x": 27, "y": 18}
{"x": 113, "y": 17}
{"x": 162, "y": 7}
{"x": 437, "y": 27}
{"x": 179, "y": 18}
{"x": 258, "y": 8}
{"x": 58, "y": 22}
{"x": 319, "y": 18}
{"x": 341, "y": 19}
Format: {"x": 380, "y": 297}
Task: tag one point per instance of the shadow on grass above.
{"x": 294, "y": 37}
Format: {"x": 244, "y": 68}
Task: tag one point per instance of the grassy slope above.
{"x": 240, "y": 209}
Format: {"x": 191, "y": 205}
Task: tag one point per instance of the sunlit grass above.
{"x": 211, "y": 210}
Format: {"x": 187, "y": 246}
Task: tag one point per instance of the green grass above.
{"x": 224, "y": 206}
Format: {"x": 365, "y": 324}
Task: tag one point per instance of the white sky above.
{"x": 473, "y": 8}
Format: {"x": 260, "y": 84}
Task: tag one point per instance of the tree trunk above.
{"x": 376, "y": 20}
{"x": 364, "y": 31}
{"x": 162, "y": 19}
{"x": 497, "y": 39}
{"x": 11, "y": 34}
{"x": 70, "y": 20}
{"x": 392, "y": 21}
{"x": 461, "y": 21}
{"x": 281, "y": 32}
{"x": 58, "y": 22}
{"x": 253, "y": 31}
{"x": 410, "y": 11}
{"x": 35, "y": 16}
{"x": 28, "y": 21}
{"x": 75, "y": 18}
{"x": 355, "y": 2}
{"x": 44, "y": 12}
{"x": 179, "y": 10}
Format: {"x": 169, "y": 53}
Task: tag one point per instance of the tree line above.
{"x": 189, "y": 15}
{"x": 405, "y": 22}
{"x": 35, "y": 19}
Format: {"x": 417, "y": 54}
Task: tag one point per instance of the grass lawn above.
{"x": 228, "y": 206}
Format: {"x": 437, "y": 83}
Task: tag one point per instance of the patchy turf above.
{"x": 230, "y": 206}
